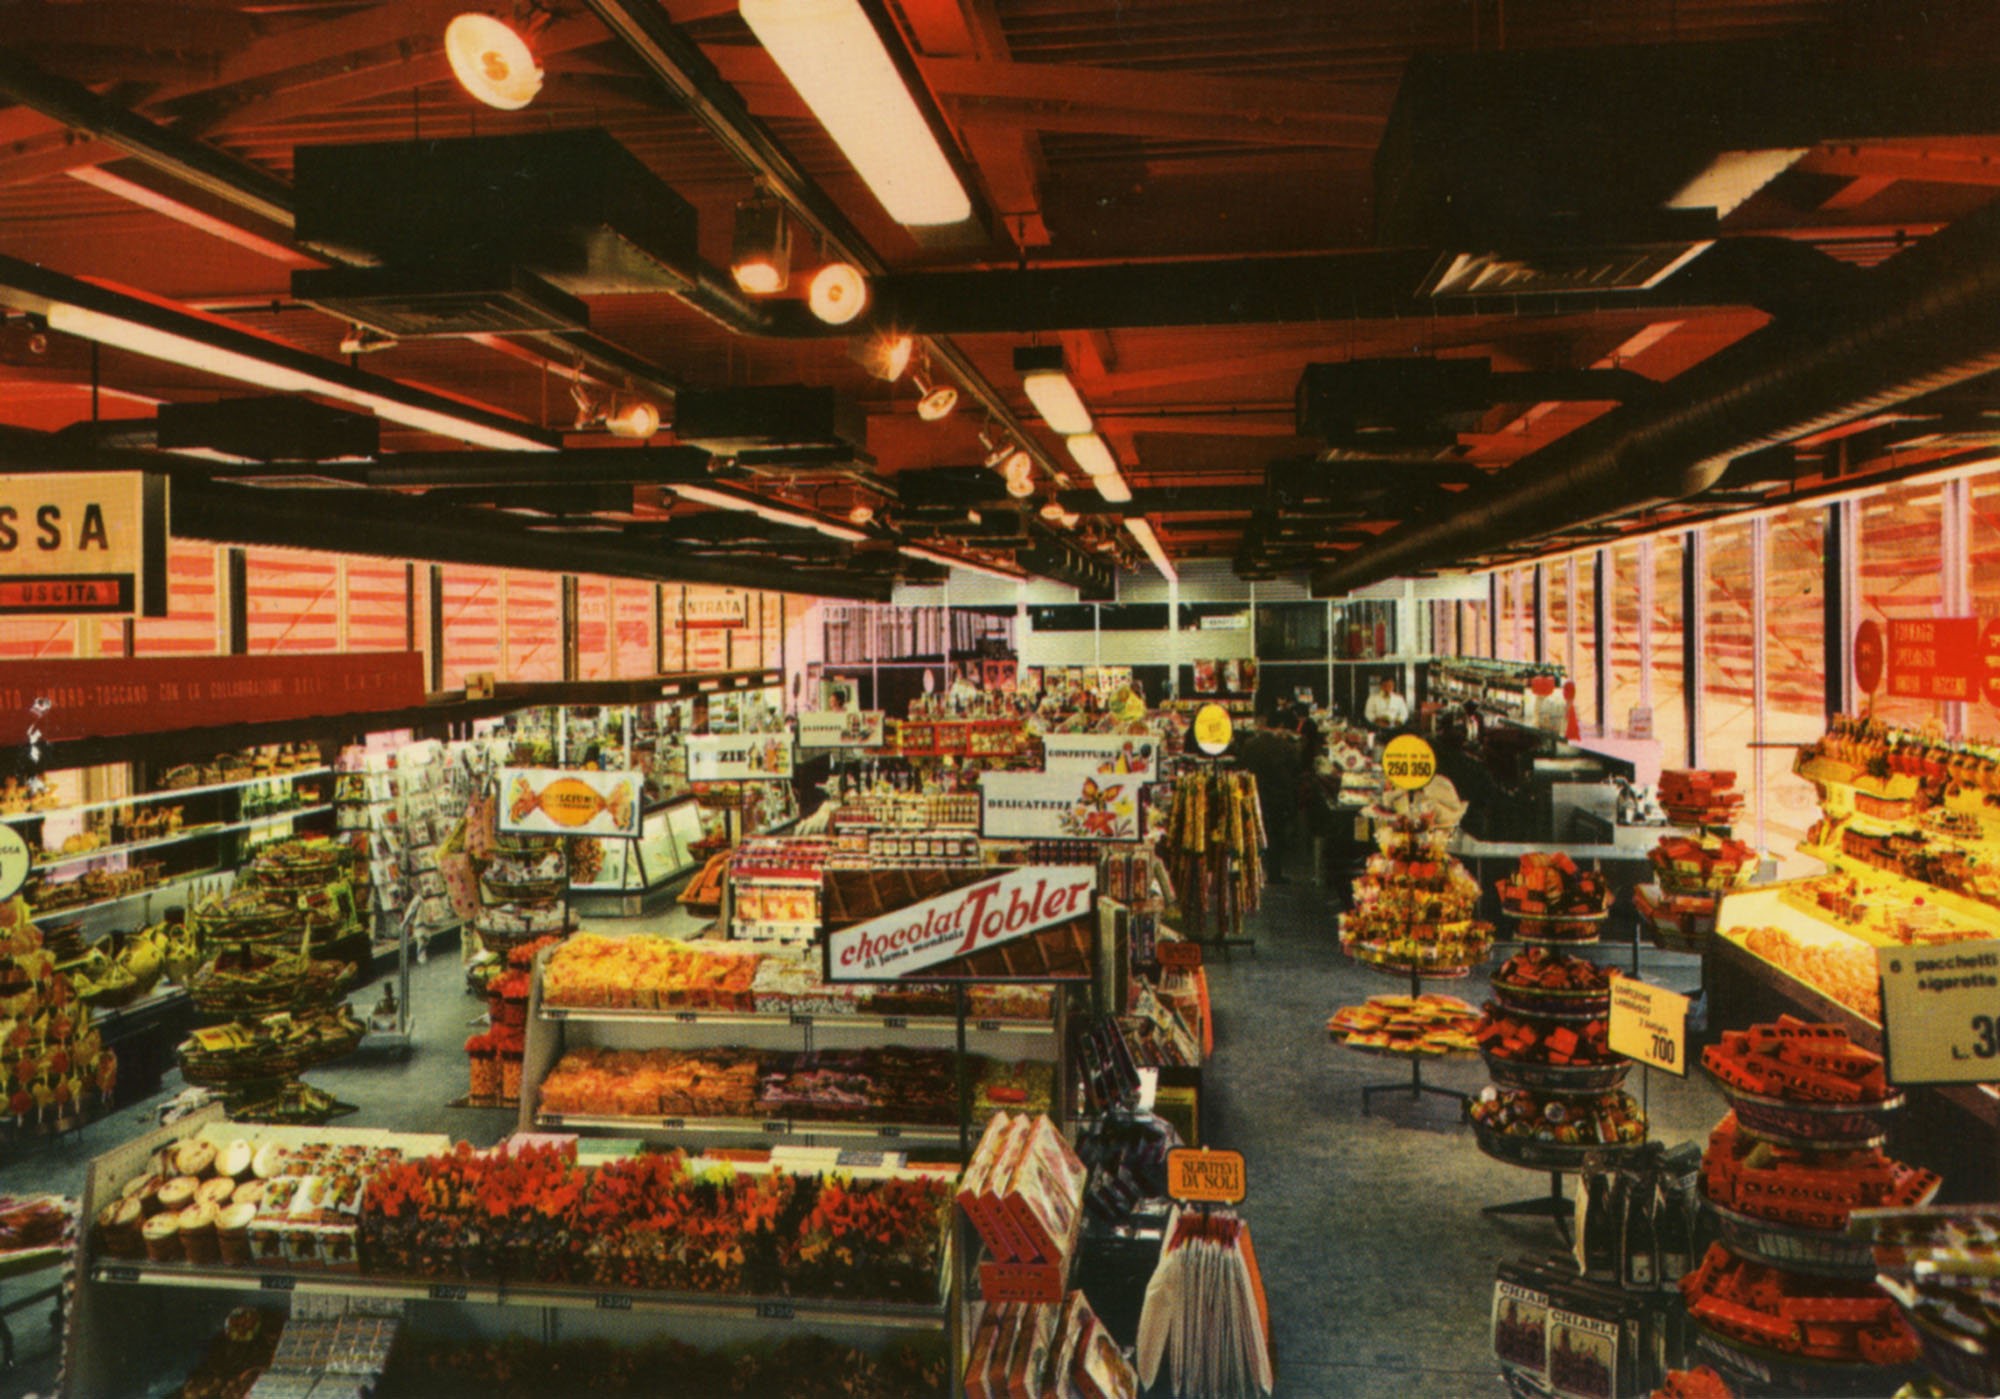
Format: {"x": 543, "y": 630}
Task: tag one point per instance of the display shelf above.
{"x": 1796, "y": 1374}
{"x": 110, "y": 802}
{"x": 326, "y": 1283}
{"x": 184, "y": 836}
{"x": 940, "y": 1024}
{"x": 931, "y": 1133}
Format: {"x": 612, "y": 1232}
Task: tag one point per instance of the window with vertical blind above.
{"x": 1729, "y": 720}
{"x": 42, "y": 638}
{"x": 1508, "y": 633}
{"x": 532, "y": 639}
{"x": 377, "y": 605}
{"x": 1583, "y": 625}
{"x": 1555, "y": 585}
{"x": 1623, "y": 627}
{"x": 1669, "y": 672}
{"x": 673, "y": 642}
{"x": 193, "y": 624}
{"x": 632, "y": 628}
{"x": 707, "y": 644}
{"x": 292, "y": 601}
{"x": 1902, "y": 563}
{"x": 1794, "y": 673}
{"x": 1982, "y": 538}
{"x": 470, "y": 600}
{"x": 593, "y": 629}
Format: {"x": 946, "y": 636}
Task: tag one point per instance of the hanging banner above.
{"x": 92, "y": 699}
{"x": 717, "y": 611}
{"x": 1213, "y": 729}
{"x": 934, "y": 937}
{"x": 1938, "y": 658}
{"x": 739, "y": 758}
{"x": 1115, "y": 755}
{"x": 841, "y": 728}
{"x": 1068, "y": 805}
{"x": 83, "y": 544}
{"x": 566, "y": 801}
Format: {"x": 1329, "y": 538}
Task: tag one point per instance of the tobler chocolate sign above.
{"x": 1026, "y": 924}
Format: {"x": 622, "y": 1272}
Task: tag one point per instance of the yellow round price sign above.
{"x": 1212, "y": 729}
{"x": 1408, "y": 762}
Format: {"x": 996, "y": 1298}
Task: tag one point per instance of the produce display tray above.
{"x": 1551, "y": 1005}
{"x": 1810, "y": 1124}
{"x": 1427, "y": 1056}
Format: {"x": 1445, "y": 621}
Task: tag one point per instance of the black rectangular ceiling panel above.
{"x": 774, "y": 416}
{"x": 269, "y": 429}
{"x": 409, "y": 301}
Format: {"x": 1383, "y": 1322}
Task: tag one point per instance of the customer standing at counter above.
{"x": 1386, "y": 710}
{"x": 1271, "y": 755}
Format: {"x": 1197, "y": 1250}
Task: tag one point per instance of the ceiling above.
{"x": 1194, "y": 201}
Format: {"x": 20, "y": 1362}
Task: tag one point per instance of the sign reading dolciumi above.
{"x": 1071, "y": 805}
{"x": 83, "y": 544}
{"x": 568, "y": 801}
{"x": 841, "y": 728}
{"x": 765, "y": 757}
{"x": 1102, "y": 755}
{"x": 960, "y": 923}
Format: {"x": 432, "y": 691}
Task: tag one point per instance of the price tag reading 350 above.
{"x": 1408, "y": 762}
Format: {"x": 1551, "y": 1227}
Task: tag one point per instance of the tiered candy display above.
{"x": 1690, "y": 873}
{"x": 1554, "y": 900}
{"x": 1701, "y": 798}
{"x": 1785, "y": 1290}
{"x": 1413, "y": 906}
{"x": 52, "y": 1064}
{"x": 1939, "y": 1265}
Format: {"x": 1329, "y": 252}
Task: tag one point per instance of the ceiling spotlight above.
{"x": 1016, "y": 462}
{"x": 637, "y": 418}
{"x": 760, "y": 255}
{"x": 862, "y": 514}
{"x": 365, "y": 340}
{"x": 838, "y": 293}
{"x": 491, "y": 61}
{"x": 1069, "y": 519}
{"x": 938, "y": 399}
{"x": 1047, "y": 382}
{"x": 1020, "y": 474}
{"x": 1052, "y": 512}
{"x": 884, "y": 356}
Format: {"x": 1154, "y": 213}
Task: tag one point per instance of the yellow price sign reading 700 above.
{"x": 1408, "y": 762}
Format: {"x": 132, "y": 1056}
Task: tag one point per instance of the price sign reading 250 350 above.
{"x": 1408, "y": 762}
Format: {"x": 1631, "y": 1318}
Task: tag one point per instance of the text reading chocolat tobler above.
{"x": 972, "y": 922}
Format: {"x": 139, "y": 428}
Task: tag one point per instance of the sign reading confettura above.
{"x": 1103, "y": 755}
{"x": 765, "y": 757}
{"x": 63, "y": 700}
{"x": 841, "y": 728}
{"x": 83, "y": 544}
{"x": 966, "y": 931}
{"x": 566, "y": 801}
{"x": 1068, "y": 805}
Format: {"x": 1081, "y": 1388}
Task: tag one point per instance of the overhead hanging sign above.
{"x": 971, "y": 921}
{"x": 1649, "y": 1023}
{"x": 1939, "y": 658}
{"x": 1941, "y": 1012}
{"x": 60, "y": 700}
{"x": 567, "y": 801}
{"x": 1869, "y": 657}
{"x": 1071, "y": 805}
{"x": 1105, "y": 755}
{"x": 716, "y": 611}
{"x": 763, "y": 757}
{"x": 841, "y": 728}
{"x": 83, "y": 544}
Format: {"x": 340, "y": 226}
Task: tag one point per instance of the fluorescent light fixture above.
{"x": 1113, "y": 488}
{"x": 832, "y": 53}
{"x": 918, "y": 551}
{"x": 837, "y": 293}
{"x": 1732, "y": 177}
{"x": 1088, "y": 451}
{"x": 1046, "y": 379}
{"x": 1141, "y": 530}
{"x": 760, "y": 257}
{"x": 764, "y": 509}
{"x": 491, "y": 61}
{"x": 199, "y": 353}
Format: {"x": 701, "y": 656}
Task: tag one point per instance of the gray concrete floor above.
{"x": 1377, "y": 1260}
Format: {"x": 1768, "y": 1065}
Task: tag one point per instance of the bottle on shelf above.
{"x": 1600, "y": 1228}
{"x": 1638, "y": 1246}
{"x": 1676, "y": 1235}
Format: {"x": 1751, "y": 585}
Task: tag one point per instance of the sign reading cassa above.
{"x": 1212, "y": 729}
{"x": 83, "y": 543}
{"x": 1408, "y": 762}
{"x": 565, "y": 801}
{"x": 1215, "y": 1176}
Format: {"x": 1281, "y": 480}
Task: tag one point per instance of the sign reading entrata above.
{"x": 717, "y": 612}
{"x": 83, "y": 543}
{"x": 1649, "y": 1024}
{"x": 841, "y": 728}
{"x": 1115, "y": 755}
{"x": 959, "y": 923}
{"x": 1941, "y": 1012}
{"x": 739, "y": 757}
{"x": 1069, "y": 805}
{"x": 1215, "y": 1176}
{"x": 91, "y": 699}
{"x": 566, "y": 801}
{"x": 1409, "y": 763}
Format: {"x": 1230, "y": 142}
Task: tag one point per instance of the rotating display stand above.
{"x": 1579, "y": 1083}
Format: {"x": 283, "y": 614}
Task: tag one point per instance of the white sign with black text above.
{"x": 765, "y": 757}
{"x": 1941, "y": 1012}
{"x": 841, "y": 728}
{"x": 1103, "y": 755}
{"x": 1072, "y": 805}
{"x": 960, "y": 923}
{"x": 1649, "y": 1023}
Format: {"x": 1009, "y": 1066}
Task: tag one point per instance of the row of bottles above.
{"x": 1882, "y": 750}
{"x": 1637, "y": 1229}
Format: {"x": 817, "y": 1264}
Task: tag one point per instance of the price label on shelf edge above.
{"x": 1409, "y": 763}
{"x": 1649, "y": 1024}
{"x": 1941, "y": 1012}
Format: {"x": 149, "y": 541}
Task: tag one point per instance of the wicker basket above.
{"x": 1581, "y": 1079}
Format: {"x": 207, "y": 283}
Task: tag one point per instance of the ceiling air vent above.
{"x": 412, "y": 302}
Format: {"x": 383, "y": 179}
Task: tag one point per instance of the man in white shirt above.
{"x": 1386, "y": 709}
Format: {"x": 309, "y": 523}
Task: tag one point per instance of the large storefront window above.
{"x": 1583, "y": 626}
{"x": 1555, "y": 589}
{"x": 1794, "y": 674}
{"x": 532, "y": 639}
{"x": 1622, "y": 634}
{"x": 1902, "y": 565}
{"x": 1669, "y": 696}
{"x": 471, "y": 604}
{"x": 1729, "y": 716}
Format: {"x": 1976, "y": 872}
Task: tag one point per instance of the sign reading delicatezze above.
{"x": 960, "y": 923}
{"x": 1117, "y": 755}
{"x": 571, "y": 802}
{"x": 1071, "y": 805}
{"x": 83, "y": 544}
{"x": 765, "y": 757}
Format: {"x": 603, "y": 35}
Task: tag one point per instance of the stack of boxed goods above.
{"x": 1024, "y": 1194}
{"x": 1700, "y": 798}
{"x": 1691, "y": 874}
{"x": 1046, "y": 1348}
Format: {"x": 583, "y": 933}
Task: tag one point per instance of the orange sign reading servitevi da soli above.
{"x": 555, "y": 801}
{"x": 1212, "y": 1176}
